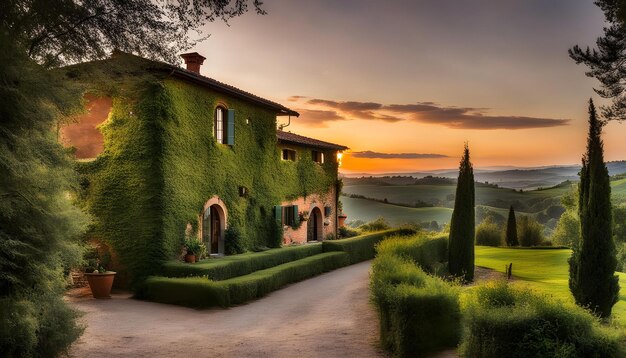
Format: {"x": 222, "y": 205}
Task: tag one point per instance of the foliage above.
{"x": 345, "y": 232}
{"x": 619, "y": 223}
{"x": 360, "y": 248}
{"x": 419, "y": 314}
{"x": 592, "y": 266}
{"x": 567, "y": 231}
{"x": 488, "y": 233}
{"x": 40, "y": 228}
{"x": 511, "y": 229}
{"x": 160, "y": 156}
{"x": 620, "y": 256}
{"x": 376, "y": 225}
{"x": 192, "y": 245}
{"x": 233, "y": 241}
{"x": 66, "y": 31}
{"x": 529, "y": 232}
{"x": 224, "y": 268}
{"x": 428, "y": 251}
{"x": 504, "y": 321}
{"x": 606, "y": 62}
{"x": 199, "y": 292}
{"x": 461, "y": 247}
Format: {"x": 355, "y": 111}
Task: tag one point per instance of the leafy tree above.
{"x": 607, "y": 62}
{"x": 461, "y": 242}
{"x": 592, "y": 265}
{"x": 488, "y": 233}
{"x": 529, "y": 232}
{"x": 511, "y": 229}
{"x": 39, "y": 225}
{"x": 567, "y": 231}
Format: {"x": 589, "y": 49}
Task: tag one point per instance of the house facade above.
{"x": 165, "y": 152}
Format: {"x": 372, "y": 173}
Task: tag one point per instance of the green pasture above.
{"x": 544, "y": 270}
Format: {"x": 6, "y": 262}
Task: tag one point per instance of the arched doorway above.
{"x": 314, "y": 225}
{"x": 213, "y": 226}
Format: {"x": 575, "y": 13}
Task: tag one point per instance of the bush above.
{"x": 233, "y": 241}
{"x": 427, "y": 251}
{"x": 488, "y": 233}
{"x": 376, "y": 225}
{"x": 502, "y": 321}
{"x": 275, "y": 232}
{"x": 238, "y": 265}
{"x": 199, "y": 292}
{"x": 529, "y": 232}
{"x": 193, "y": 246}
{"x": 345, "y": 232}
{"x": 418, "y": 313}
{"x": 360, "y": 248}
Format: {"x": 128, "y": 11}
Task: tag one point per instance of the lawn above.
{"x": 544, "y": 270}
{"x": 367, "y": 210}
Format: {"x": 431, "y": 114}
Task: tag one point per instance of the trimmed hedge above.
{"x": 419, "y": 313}
{"x": 362, "y": 248}
{"x": 238, "y": 265}
{"x": 199, "y": 292}
{"x": 502, "y": 321}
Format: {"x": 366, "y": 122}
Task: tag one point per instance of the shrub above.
{"x": 199, "y": 292}
{"x": 488, "y": 233}
{"x": 193, "y": 246}
{"x": 427, "y": 251}
{"x": 529, "y": 231}
{"x": 345, "y": 232}
{"x": 360, "y": 248}
{"x": 418, "y": 313}
{"x": 376, "y": 225}
{"x": 238, "y": 265}
{"x": 502, "y": 321}
{"x": 275, "y": 232}
{"x": 233, "y": 241}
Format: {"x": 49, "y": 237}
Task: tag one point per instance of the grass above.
{"x": 543, "y": 270}
{"x": 368, "y": 210}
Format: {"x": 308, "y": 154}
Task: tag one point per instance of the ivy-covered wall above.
{"x": 161, "y": 163}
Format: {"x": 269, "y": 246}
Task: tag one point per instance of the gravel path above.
{"x": 326, "y": 316}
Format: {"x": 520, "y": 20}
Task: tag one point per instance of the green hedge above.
{"x": 238, "y": 265}
{"x": 419, "y": 313}
{"x": 361, "y": 248}
{"x": 428, "y": 251}
{"x": 502, "y": 321}
{"x": 200, "y": 292}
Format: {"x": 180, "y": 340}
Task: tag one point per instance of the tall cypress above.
{"x": 462, "y": 225}
{"x": 511, "y": 229}
{"x": 592, "y": 281}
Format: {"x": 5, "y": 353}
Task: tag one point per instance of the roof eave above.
{"x": 280, "y": 110}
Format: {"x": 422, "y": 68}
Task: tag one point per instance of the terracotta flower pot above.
{"x": 101, "y": 283}
{"x": 190, "y": 258}
{"x": 342, "y": 219}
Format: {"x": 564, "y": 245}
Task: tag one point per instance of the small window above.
{"x": 318, "y": 157}
{"x": 218, "y": 128}
{"x": 290, "y": 215}
{"x": 289, "y": 154}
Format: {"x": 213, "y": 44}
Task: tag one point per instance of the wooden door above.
{"x": 215, "y": 230}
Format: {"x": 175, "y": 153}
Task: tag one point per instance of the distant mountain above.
{"x": 506, "y": 176}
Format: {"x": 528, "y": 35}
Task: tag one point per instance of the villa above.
{"x": 165, "y": 152}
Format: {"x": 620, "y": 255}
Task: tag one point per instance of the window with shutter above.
{"x": 230, "y": 127}
{"x": 218, "y": 125}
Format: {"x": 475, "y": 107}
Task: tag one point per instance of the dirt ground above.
{"x": 326, "y": 316}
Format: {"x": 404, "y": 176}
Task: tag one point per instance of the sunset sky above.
{"x": 405, "y": 83}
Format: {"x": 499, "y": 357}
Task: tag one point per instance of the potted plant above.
{"x": 100, "y": 282}
{"x": 194, "y": 248}
{"x": 342, "y": 219}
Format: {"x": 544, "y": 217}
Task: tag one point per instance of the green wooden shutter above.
{"x": 230, "y": 127}
{"x": 278, "y": 214}
{"x": 296, "y": 217}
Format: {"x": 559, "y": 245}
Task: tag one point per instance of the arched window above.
{"x": 218, "y": 127}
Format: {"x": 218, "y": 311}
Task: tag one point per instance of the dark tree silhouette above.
{"x": 511, "y": 229}
{"x": 607, "y": 62}
{"x": 462, "y": 225}
{"x": 592, "y": 265}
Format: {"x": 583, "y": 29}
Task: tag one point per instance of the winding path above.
{"x": 326, "y": 316}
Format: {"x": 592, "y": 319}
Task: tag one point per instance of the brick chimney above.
{"x": 193, "y": 60}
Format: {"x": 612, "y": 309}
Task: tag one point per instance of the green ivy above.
{"x": 161, "y": 164}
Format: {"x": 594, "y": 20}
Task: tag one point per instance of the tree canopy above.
{"x": 68, "y": 31}
{"x": 607, "y": 62}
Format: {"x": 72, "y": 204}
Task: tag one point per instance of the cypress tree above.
{"x": 462, "y": 225}
{"x": 592, "y": 281}
{"x": 511, "y": 229}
